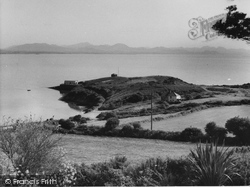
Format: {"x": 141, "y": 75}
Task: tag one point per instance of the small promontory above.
{"x": 115, "y": 92}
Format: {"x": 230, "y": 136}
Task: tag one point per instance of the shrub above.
{"x": 66, "y": 124}
{"x": 213, "y": 166}
{"x": 181, "y": 170}
{"x": 79, "y": 119}
{"x": 31, "y": 146}
{"x": 119, "y": 162}
{"x": 134, "y": 98}
{"x": 136, "y": 125}
{"x": 191, "y": 134}
{"x": 127, "y": 130}
{"x": 220, "y": 133}
{"x": 215, "y": 132}
{"x": 161, "y": 172}
{"x": 93, "y": 130}
{"x": 101, "y": 174}
{"x": 210, "y": 127}
{"x": 143, "y": 111}
{"x": 148, "y": 172}
{"x": 242, "y": 165}
{"x": 240, "y": 127}
{"x": 112, "y": 123}
{"x": 81, "y": 128}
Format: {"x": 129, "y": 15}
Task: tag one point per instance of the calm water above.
{"x": 37, "y": 72}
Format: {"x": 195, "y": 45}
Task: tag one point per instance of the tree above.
{"x": 240, "y": 127}
{"x": 191, "y": 134}
{"x": 215, "y": 132}
{"x": 210, "y": 127}
{"x": 112, "y": 123}
{"x": 236, "y": 25}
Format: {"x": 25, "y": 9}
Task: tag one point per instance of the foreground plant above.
{"x": 28, "y": 145}
{"x": 213, "y": 166}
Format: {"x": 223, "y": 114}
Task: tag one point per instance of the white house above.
{"x": 171, "y": 97}
{"x": 69, "y": 82}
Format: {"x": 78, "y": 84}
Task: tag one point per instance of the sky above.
{"x": 136, "y": 23}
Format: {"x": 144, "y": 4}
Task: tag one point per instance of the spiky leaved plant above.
{"x": 213, "y": 166}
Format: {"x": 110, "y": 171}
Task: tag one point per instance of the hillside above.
{"x": 116, "y": 92}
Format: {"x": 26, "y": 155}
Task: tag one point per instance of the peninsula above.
{"x": 132, "y": 96}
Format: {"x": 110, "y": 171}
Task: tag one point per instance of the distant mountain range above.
{"x": 87, "y": 48}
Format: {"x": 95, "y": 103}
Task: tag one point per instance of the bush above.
{"x": 242, "y": 167}
{"x": 31, "y": 146}
{"x": 210, "y": 127}
{"x": 220, "y": 133}
{"x": 214, "y": 132}
{"x": 181, "y": 170}
{"x": 79, "y": 119}
{"x": 112, "y": 123}
{"x": 240, "y": 127}
{"x": 108, "y": 173}
{"x": 191, "y": 134}
{"x": 127, "y": 130}
{"x": 66, "y": 124}
{"x": 134, "y": 98}
{"x": 136, "y": 125}
{"x": 161, "y": 172}
{"x": 148, "y": 172}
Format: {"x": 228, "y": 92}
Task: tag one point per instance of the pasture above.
{"x": 89, "y": 149}
{"x": 199, "y": 119}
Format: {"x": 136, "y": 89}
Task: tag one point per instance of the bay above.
{"x": 22, "y": 72}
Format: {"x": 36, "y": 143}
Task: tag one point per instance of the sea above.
{"x": 25, "y": 78}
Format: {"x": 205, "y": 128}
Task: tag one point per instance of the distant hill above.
{"x": 87, "y": 48}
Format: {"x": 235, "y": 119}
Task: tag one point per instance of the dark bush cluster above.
{"x": 152, "y": 172}
{"x": 135, "y": 130}
{"x": 134, "y": 98}
{"x": 156, "y": 172}
{"x": 84, "y": 97}
{"x": 79, "y": 119}
{"x": 191, "y": 134}
{"x": 66, "y": 124}
{"x": 215, "y": 133}
{"x": 240, "y": 127}
{"x": 112, "y": 123}
{"x": 72, "y": 121}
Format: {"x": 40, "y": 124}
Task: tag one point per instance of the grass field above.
{"x": 89, "y": 149}
{"x": 197, "y": 119}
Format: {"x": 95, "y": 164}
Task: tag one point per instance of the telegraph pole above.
{"x": 151, "y": 109}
